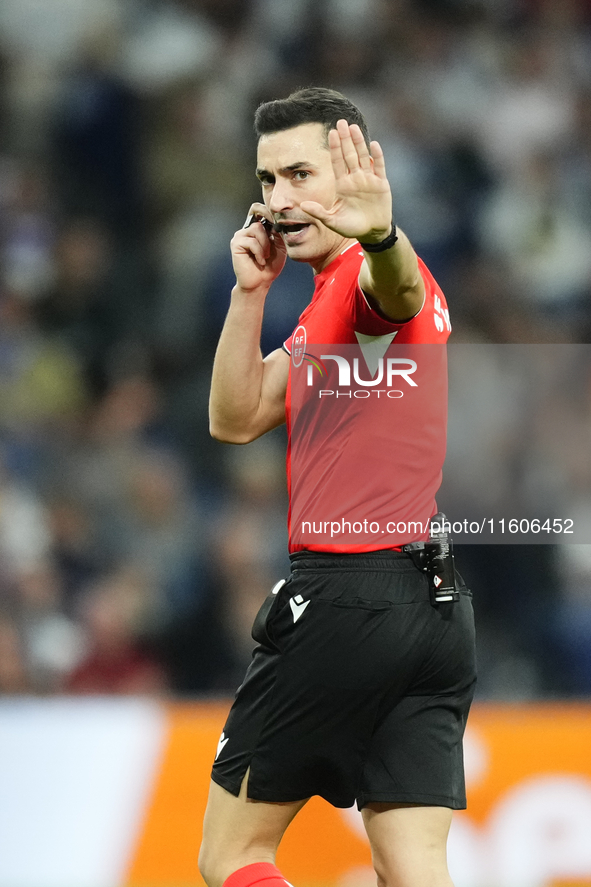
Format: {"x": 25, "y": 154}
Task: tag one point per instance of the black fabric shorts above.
{"x": 359, "y": 688}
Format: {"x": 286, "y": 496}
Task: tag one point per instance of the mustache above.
{"x": 288, "y": 222}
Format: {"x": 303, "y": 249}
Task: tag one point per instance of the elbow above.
{"x": 225, "y": 434}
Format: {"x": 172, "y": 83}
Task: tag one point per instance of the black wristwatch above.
{"x": 383, "y": 245}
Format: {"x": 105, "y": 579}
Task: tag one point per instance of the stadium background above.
{"x": 134, "y": 550}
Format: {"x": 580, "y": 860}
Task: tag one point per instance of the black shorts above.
{"x": 359, "y": 688}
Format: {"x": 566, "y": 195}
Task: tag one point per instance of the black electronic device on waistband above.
{"x": 436, "y": 558}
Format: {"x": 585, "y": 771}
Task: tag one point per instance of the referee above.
{"x": 361, "y": 681}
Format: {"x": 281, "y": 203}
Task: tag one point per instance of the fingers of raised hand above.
{"x": 353, "y": 148}
{"x": 336, "y": 154}
{"x": 316, "y": 210}
{"x": 379, "y": 165}
{"x": 360, "y": 147}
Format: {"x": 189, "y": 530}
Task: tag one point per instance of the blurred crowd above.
{"x": 134, "y": 549}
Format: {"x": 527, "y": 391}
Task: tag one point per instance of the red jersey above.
{"x": 339, "y": 309}
{"x": 366, "y": 416}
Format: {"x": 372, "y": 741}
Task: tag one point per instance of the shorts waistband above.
{"x": 371, "y": 560}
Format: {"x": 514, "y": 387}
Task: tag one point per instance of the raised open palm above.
{"x": 362, "y": 207}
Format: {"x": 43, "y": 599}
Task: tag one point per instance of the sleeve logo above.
{"x": 298, "y": 346}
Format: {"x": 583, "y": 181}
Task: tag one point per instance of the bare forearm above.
{"x": 393, "y": 279}
{"x": 236, "y": 383}
{"x": 394, "y": 268}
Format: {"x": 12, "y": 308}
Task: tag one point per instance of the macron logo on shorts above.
{"x": 222, "y": 741}
{"x": 298, "y": 605}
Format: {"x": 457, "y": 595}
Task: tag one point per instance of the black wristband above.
{"x": 383, "y": 245}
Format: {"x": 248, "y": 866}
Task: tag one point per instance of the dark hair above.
{"x": 312, "y": 105}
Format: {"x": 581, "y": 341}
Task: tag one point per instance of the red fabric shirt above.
{"x": 355, "y": 453}
{"x": 339, "y": 309}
